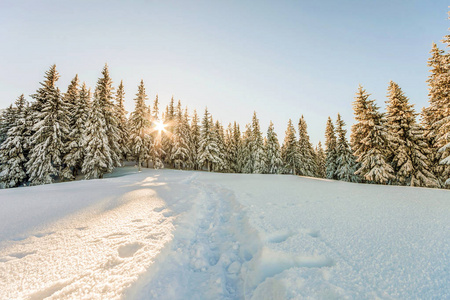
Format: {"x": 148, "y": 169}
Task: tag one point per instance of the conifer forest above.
{"x": 85, "y": 133}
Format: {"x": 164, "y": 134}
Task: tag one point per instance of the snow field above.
{"x": 166, "y": 234}
{"x": 94, "y": 253}
{"x": 329, "y": 239}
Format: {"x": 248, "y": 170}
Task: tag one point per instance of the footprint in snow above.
{"x": 42, "y": 234}
{"x": 137, "y": 220}
{"x": 279, "y": 236}
{"x": 81, "y": 228}
{"x": 314, "y": 233}
{"x": 167, "y": 213}
{"x": 159, "y": 209}
{"x": 129, "y": 249}
{"x": 20, "y": 255}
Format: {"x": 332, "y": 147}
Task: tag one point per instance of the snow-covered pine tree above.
{"x": 122, "y": 124}
{"x": 371, "y": 141}
{"x": 273, "y": 152}
{"x": 139, "y": 125}
{"x": 6, "y": 121}
{"x": 208, "y": 149}
{"x": 13, "y": 151}
{"x": 104, "y": 92}
{"x": 330, "y": 150}
{"x": 79, "y": 113}
{"x": 149, "y": 141}
{"x": 50, "y": 132}
{"x": 444, "y": 140}
{"x": 221, "y": 164}
{"x": 434, "y": 116}
{"x": 180, "y": 147}
{"x": 188, "y": 137}
{"x": 306, "y": 164}
{"x": 195, "y": 141}
{"x": 238, "y": 148}
{"x": 289, "y": 150}
{"x": 443, "y": 125}
{"x": 408, "y": 148}
{"x": 167, "y": 138}
{"x": 70, "y": 98}
{"x": 97, "y": 160}
{"x": 157, "y": 150}
{"x": 229, "y": 148}
{"x": 258, "y": 153}
{"x": 320, "y": 161}
{"x": 359, "y": 107}
{"x": 247, "y": 150}
{"x": 345, "y": 161}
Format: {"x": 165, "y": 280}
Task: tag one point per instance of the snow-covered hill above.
{"x": 165, "y": 234}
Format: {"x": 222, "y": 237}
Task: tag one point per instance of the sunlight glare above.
{"x": 159, "y": 126}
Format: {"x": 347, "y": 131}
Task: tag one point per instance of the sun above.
{"x": 159, "y": 126}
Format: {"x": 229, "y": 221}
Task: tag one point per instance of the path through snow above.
{"x": 205, "y": 259}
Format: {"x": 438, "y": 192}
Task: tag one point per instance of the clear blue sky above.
{"x": 280, "y": 58}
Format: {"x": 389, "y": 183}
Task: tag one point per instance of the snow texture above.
{"x": 166, "y": 234}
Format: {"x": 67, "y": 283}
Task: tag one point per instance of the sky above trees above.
{"x": 282, "y": 59}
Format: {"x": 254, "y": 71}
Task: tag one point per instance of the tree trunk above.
{"x": 139, "y": 164}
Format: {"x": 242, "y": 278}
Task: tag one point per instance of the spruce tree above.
{"x": 208, "y": 149}
{"x": 167, "y": 137}
{"x": 444, "y": 140}
{"x": 330, "y": 150}
{"x": 443, "y": 124}
{"x": 50, "y": 132}
{"x": 70, "y": 98}
{"x": 195, "y": 141}
{"x": 104, "y": 92}
{"x": 306, "y": 161}
{"x": 289, "y": 150}
{"x": 434, "y": 115}
{"x": 140, "y": 128}
{"x": 122, "y": 124}
{"x": 6, "y": 121}
{"x": 80, "y": 106}
{"x": 229, "y": 149}
{"x": 189, "y": 162}
{"x": 247, "y": 150}
{"x": 180, "y": 147}
{"x": 237, "y": 152}
{"x": 221, "y": 164}
{"x": 370, "y": 141}
{"x": 157, "y": 151}
{"x": 257, "y": 148}
{"x": 273, "y": 151}
{"x": 408, "y": 148}
{"x": 360, "y": 106}
{"x": 97, "y": 160}
{"x": 13, "y": 149}
{"x": 320, "y": 161}
{"x": 345, "y": 161}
